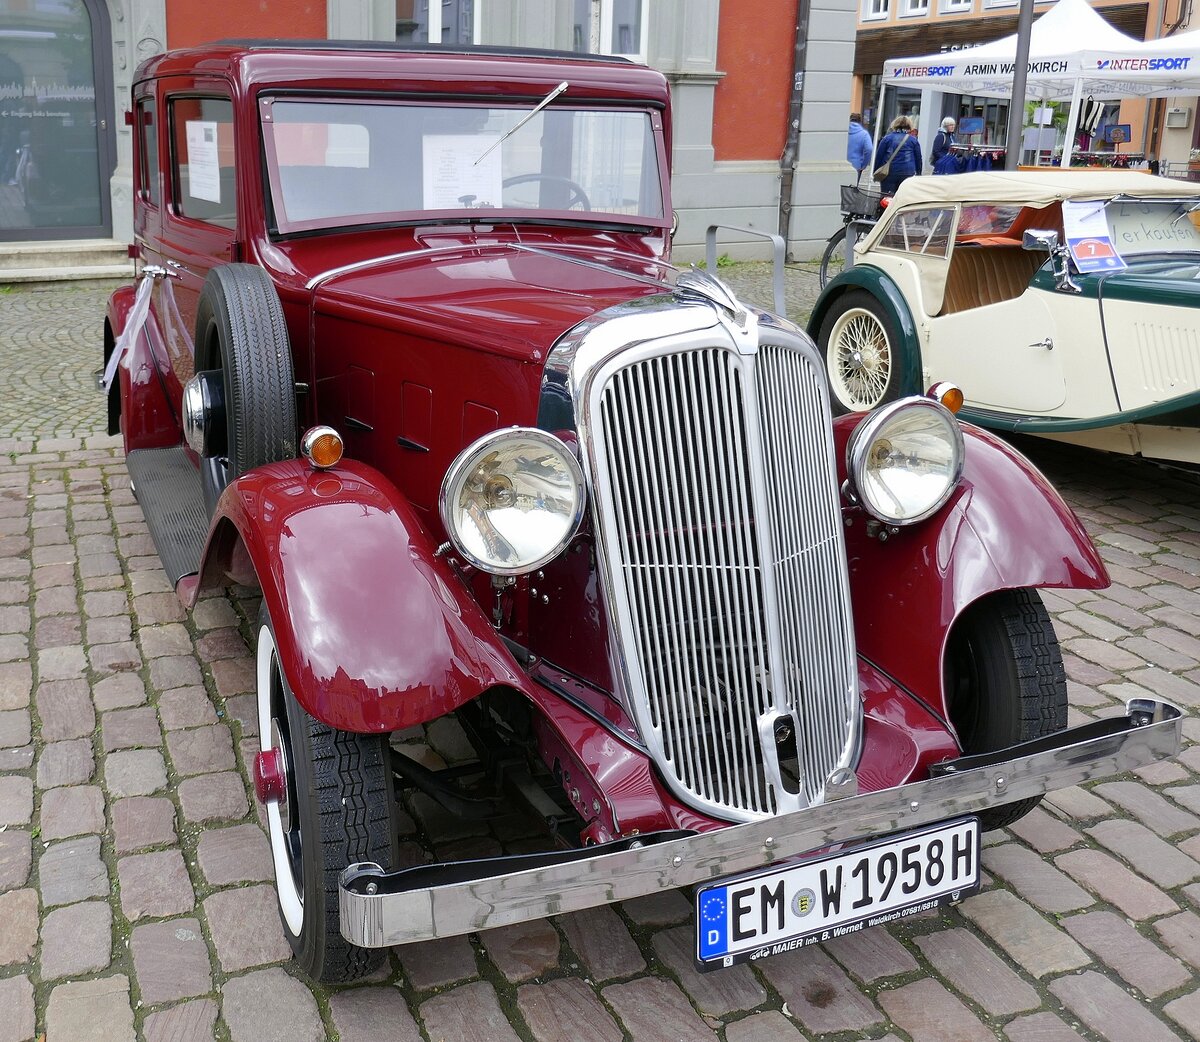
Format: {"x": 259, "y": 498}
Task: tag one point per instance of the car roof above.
{"x": 479, "y": 71}
{"x": 1038, "y": 187}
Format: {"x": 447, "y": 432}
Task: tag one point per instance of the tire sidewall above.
{"x": 292, "y": 900}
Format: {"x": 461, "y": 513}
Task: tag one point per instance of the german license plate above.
{"x": 781, "y": 909}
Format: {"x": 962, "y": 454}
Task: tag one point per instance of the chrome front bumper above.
{"x": 380, "y": 908}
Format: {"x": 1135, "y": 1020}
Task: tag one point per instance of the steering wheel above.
{"x": 577, "y": 194}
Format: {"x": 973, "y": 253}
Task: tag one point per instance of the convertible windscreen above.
{"x": 1153, "y": 226}
{"x": 342, "y": 163}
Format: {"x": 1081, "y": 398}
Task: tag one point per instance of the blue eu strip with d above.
{"x": 714, "y": 922}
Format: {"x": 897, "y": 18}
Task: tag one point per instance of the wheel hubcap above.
{"x": 269, "y": 779}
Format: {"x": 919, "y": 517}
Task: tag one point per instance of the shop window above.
{"x": 202, "y": 170}
{"x": 873, "y": 10}
{"x": 148, "y": 152}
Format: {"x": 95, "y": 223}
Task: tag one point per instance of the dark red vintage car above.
{"x": 408, "y": 355}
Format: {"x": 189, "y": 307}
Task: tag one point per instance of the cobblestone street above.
{"x": 135, "y": 893}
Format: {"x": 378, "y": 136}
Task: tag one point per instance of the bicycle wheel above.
{"x": 832, "y": 258}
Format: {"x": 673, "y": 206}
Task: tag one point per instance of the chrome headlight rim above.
{"x": 867, "y": 433}
{"x": 466, "y": 462}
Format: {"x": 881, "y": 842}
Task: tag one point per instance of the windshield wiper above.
{"x": 520, "y": 123}
{"x": 1185, "y": 212}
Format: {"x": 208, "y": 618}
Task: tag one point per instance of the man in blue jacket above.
{"x": 903, "y": 149}
{"x": 858, "y": 150}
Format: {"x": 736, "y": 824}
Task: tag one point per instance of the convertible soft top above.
{"x": 1039, "y": 187}
{"x": 1035, "y": 188}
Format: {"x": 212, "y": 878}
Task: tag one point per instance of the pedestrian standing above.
{"x": 859, "y": 146}
{"x": 943, "y": 140}
{"x": 901, "y": 152}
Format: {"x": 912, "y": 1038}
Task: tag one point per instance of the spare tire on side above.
{"x": 241, "y": 335}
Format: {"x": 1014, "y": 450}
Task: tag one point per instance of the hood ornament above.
{"x": 698, "y": 283}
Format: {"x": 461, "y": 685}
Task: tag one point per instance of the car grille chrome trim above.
{"x": 810, "y": 562}
{"x": 708, "y": 461}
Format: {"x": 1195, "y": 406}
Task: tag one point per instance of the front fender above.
{"x": 375, "y": 632}
{"x": 887, "y": 293}
{"x": 1005, "y": 528}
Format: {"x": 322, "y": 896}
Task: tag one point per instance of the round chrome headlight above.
{"x": 512, "y": 500}
{"x": 905, "y": 459}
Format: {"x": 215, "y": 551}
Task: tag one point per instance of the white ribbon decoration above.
{"x": 133, "y": 326}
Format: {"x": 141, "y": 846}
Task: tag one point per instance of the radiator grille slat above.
{"x": 678, "y": 438}
{"x": 814, "y": 603}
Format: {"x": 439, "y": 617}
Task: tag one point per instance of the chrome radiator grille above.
{"x": 721, "y": 530}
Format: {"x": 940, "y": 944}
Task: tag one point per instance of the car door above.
{"x": 198, "y": 222}
{"x": 996, "y": 336}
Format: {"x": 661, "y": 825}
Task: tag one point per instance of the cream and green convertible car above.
{"x": 1063, "y": 303}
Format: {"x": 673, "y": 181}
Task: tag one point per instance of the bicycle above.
{"x": 862, "y": 205}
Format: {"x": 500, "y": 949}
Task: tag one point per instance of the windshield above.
{"x": 340, "y": 163}
{"x": 1145, "y": 226}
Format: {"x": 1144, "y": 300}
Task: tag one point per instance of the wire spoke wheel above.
{"x": 860, "y": 360}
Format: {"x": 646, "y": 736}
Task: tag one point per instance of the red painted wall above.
{"x": 755, "y": 53}
{"x": 192, "y": 23}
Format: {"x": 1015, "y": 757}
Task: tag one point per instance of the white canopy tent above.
{"x": 1073, "y": 54}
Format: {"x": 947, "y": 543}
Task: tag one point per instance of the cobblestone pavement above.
{"x": 135, "y": 900}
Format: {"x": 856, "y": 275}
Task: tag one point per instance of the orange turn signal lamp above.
{"x": 946, "y": 393}
{"x": 322, "y": 447}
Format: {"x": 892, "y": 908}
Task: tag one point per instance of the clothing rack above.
{"x": 1113, "y": 160}
{"x": 967, "y": 158}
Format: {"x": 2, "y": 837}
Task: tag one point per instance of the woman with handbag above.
{"x": 898, "y": 156}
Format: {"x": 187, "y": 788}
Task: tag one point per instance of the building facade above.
{"x": 750, "y": 83}
{"x": 888, "y": 29}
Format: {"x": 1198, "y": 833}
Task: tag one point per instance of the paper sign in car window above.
{"x": 1088, "y": 239}
{"x": 204, "y": 167}
{"x": 452, "y": 179}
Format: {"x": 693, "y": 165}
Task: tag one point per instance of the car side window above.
{"x": 925, "y": 231}
{"x": 202, "y": 160}
{"x": 147, "y": 122}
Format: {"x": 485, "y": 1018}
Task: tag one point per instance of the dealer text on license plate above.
{"x": 785, "y": 908}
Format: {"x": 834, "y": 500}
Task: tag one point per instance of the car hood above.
{"x": 1159, "y": 281}
{"x": 511, "y": 298}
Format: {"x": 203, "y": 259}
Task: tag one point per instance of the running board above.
{"x": 167, "y": 485}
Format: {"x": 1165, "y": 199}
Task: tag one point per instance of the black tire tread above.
{"x": 351, "y": 785}
{"x": 260, "y": 391}
{"x": 1041, "y": 689}
{"x": 346, "y": 808}
{"x": 263, "y": 435}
